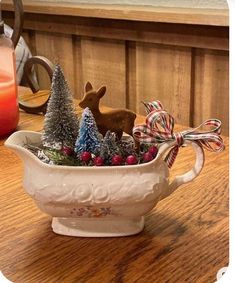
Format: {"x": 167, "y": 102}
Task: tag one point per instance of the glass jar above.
{"x": 9, "y": 110}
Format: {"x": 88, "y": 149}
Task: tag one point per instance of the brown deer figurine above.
{"x": 117, "y": 120}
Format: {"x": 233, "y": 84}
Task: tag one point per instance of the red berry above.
{"x": 131, "y": 160}
{"x": 67, "y": 150}
{"x": 116, "y": 160}
{"x": 98, "y": 161}
{"x": 147, "y": 157}
{"x": 86, "y": 156}
{"x": 153, "y": 150}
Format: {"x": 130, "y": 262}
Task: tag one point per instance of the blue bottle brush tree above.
{"x": 89, "y": 139}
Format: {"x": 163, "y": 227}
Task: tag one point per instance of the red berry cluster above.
{"x": 117, "y": 160}
{"x": 129, "y": 160}
{"x": 150, "y": 154}
{"x": 66, "y": 150}
{"x": 87, "y": 157}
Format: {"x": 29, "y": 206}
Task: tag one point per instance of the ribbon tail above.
{"x": 170, "y": 158}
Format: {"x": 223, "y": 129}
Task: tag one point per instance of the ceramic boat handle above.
{"x": 191, "y": 174}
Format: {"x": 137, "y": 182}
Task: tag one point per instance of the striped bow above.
{"x": 159, "y": 128}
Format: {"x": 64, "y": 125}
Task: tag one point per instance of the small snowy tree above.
{"x": 127, "y": 146}
{"x": 109, "y": 146}
{"x": 61, "y": 123}
{"x": 89, "y": 137}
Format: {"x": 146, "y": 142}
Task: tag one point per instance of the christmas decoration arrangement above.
{"x": 97, "y": 138}
{"x": 104, "y": 166}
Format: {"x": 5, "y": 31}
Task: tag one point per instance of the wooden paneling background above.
{"x": 184, "y": 66}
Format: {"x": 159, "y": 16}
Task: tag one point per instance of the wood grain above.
{"x": 185, "y": 237}
{"x": 104, "y": 63}
{"x": 163, "y": 73}
{"x": 211, "y": 97}
{"x": 58, "y": 49}
{"x": 174, "y": 34}
{"x": 128, "y": 12}
{"x": 131, "y": 79}
{"x": 78, "y": 69}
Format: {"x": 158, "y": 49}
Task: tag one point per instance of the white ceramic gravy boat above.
{"x": 106, "y": 201}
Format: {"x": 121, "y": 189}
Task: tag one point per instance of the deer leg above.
{"x": 119, "y": 134}
{"x": 137, "y": 146}
{"x": 102, "y": 130}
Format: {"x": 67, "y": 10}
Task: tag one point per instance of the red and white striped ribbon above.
{"x": 159, "y": 128}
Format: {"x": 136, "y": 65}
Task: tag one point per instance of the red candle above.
{"x": 9, "y": 113}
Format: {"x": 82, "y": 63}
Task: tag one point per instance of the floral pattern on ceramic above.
{"x": 90, "y": 211}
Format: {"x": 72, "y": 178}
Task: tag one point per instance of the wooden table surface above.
{"x": 185, "y": 237}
